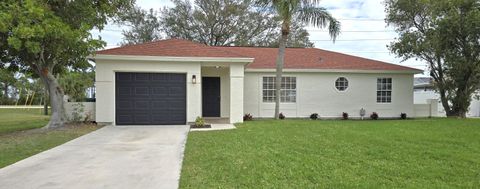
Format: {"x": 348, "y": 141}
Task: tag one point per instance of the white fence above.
{"x": 429, "y": 109}
{"x": 421, "y": 97}
{"x": 80, "y": 111}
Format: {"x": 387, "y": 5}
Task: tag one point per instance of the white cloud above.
{"x": 354, "y": 15}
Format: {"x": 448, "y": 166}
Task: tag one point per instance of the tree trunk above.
{"x": 5, "y": 90}
{"x": 45, "y": 104}
{"x": 444, "y": 100}
{"x": 459, "y": 107}
{"x": 57, "y": 119}
{"x": 462, "y": 114}
{"x": 280, "y": 62}
{"x": 461, "y": 102}
{"x": 449, "y": 110}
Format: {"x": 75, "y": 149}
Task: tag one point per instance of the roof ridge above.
{"x": 214, "y": 47}
{"x": 230, "y": 52}
{"x": 265, "y": 47}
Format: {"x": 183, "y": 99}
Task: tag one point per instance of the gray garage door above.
{"x": 150, "y": 98}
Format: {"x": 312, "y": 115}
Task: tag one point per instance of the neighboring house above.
{"x": 424, "y": 90}
{"x": 174, "y": 81}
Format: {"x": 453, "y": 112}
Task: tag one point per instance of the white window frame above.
{"x": 346, "y": 81}
{"x": 384, "y": 90}
{"x": 288, "y": 86}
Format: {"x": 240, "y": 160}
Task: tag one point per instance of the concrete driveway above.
{"x": 111, "y": 157}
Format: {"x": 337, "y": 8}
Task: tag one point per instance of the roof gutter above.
{"x": 172, "y": 58}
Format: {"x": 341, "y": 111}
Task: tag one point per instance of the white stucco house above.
{"x": 173, "y": 81}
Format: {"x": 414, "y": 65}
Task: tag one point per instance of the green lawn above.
{"x": 425, "y": 153}
{"x": 21, "y": 119}
{"x": 17, "y": 144}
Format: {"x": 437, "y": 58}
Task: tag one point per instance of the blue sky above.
{"x": 360, "y": 19}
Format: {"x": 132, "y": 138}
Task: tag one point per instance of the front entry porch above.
{"x": 218, "y": 94}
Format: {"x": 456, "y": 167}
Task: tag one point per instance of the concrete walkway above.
{"x": 112, "y": 157}
{"x": 215, "y": 127}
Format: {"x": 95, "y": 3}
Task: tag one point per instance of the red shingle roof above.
{"x": 171, "y": 47}
{"x": 312, "y": 58}
{"x": 264, "y": 58}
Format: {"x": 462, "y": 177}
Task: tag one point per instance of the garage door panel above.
{"x": 125, "y": 105}
{"x": 160, "y": 77}
{"x": 175, "y": 105}
{"x": 175, "y": 91}
{"x": 142, "y": 77}
{"x": 176, "y": 118}
{"x": 176, "y": 114}
{"x": 124, "y": 91}
{"x": 161, "y": 117}
{"x": 126, "y": 119}
{"x": 158, "y": 105}
{"x": 150, "y": 98}
{"x": 168, "y": 119}
{"x": 141, "y": 91}
{"x": 124, "y": 77}
{"x": 177, "y": 78}
{"x": 142, "y": 105}
{"x": 142, "y": 118}
{"x": 159, "y": 92}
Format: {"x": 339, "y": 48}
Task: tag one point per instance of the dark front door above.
{"x": 211, "y": 96}
{"x": 150, "y": 98}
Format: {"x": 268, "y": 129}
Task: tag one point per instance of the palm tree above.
{"x": 309, "y": 13}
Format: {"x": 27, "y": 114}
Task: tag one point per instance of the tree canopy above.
{"x": 445, "y": 34}
{"x": 144, "y": 26}
{"x": 213, "y": 22}
{"x": 48, "y": 37}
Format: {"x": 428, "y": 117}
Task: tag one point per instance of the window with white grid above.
{"x": 341, "y": 84}
{"x": 288, "y": 89}
{"x": 384, "y": 90}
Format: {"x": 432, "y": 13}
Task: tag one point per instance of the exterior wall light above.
{"x": 194, "y": 79}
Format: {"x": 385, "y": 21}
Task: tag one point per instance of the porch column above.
{"x": 236, "y": 93}
{"x": 194, "y": 94}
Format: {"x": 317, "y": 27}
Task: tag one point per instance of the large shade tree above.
{"x": 217, "y": 22}
{"x": 445, "y": 34}
{"x": 49, "y": 37}
{"x": 144, "y": 26}
{"x": 308, "y": 12}
{"x": 227, "y": 23}
{"x": 212, "y": 22}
